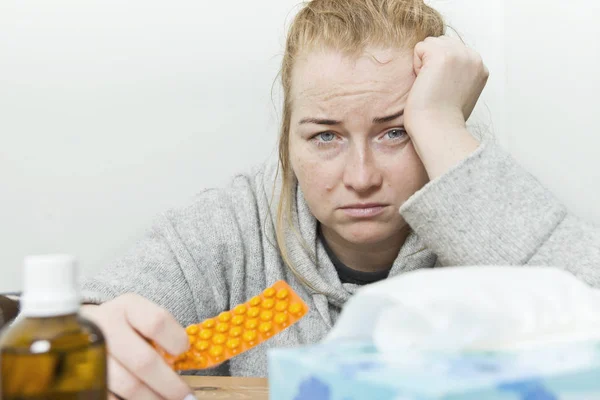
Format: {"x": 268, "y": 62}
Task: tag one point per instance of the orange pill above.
{"x": 249, "y": 336}
{"x": 251, "y": 324}
{"x": 281, "y": 305}
{"x": 254, "y": 301}
{"x": 295, "y": 308}
{"x": 202, "y": 345}
{"x": 268, "y": 303}
{"x": 265, "y": 327}
{"x": 205, "y": 334}
{"x": 236, "y": 331}
{"x": 197, "y": 357}
{"x": 225, "y": 316}
{"x": 241, "y": 309}
{"x": 216, "y": 351}
{"x": 192, "y": 329}
{"x": 219, "y": 339}
{"x": 266, "y": 315}
{"x": 200, "y": 363}
{"x": 281, "y": 318}
{"x": 209, "y": 323}
{"x": 233, "y": 343}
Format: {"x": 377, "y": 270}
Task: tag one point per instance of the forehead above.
{"x": 327, "y": 79}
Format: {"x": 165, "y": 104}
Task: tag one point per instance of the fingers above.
{"x": 418, "y": 55}
{"x": 157, "y": 324}
{"x": 423, "y": 50}
{"x": 136, "y": 370}
{"x": 146, "y": 365}
{"x": 125, "y": 385}
{"x": 447, "y": 49}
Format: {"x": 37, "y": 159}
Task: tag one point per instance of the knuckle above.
{"x": 450, "y": 57}
{"x": 156, "y": 322}
{"x": 475, "y": 58}
{"x": 486, "y": 71}
{"x": 478, "y": 61}
{"x": 144, "y": 362}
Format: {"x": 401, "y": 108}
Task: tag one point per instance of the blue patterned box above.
{"x": 356, "y": 371}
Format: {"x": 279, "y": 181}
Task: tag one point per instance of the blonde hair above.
{"x": 348, "y": 26}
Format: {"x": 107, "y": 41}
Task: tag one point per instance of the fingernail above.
{"x": 190, "y": 397}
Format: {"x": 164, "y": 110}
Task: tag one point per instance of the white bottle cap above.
{"x": 50, "y": 287}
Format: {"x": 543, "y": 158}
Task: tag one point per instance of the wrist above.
{"x": 442, "y": 146}
{"x": 434, "y": 120}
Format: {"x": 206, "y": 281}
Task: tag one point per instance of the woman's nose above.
{"x": 361, "y": 173}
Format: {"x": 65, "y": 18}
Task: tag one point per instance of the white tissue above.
{"x": 472, "y": 308}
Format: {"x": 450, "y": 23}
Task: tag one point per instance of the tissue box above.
{"x": 357, "y": 371}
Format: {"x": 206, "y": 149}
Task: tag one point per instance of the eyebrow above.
{"x": 389, "y": 118}
{"x": 320, "y": 121}
{"x": 330, "y": 122}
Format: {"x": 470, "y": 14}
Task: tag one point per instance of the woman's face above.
{"x": 349, "y": 151}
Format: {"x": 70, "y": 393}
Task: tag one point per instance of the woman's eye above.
{"x": 395, "y": 133}
{"x": 326, "y": 136}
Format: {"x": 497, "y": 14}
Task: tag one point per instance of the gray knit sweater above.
{"x": 219, "y": 251}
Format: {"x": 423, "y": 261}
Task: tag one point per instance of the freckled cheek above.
{"x": 405, "y": 174}
{"x": 318, "y": 176}
{"x": 315, "y": 179}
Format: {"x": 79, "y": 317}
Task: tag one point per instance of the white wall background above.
{"x": 111, "y": 112}
{"x": 553, "y": 97}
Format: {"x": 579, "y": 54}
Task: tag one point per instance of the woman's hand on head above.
{"x": 135, "y": 369}
{"x": 449, "y": 80}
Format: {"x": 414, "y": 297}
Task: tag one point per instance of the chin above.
{"x": 365, "y": 234}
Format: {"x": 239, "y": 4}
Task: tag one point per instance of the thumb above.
{"x": 419, "y": 55}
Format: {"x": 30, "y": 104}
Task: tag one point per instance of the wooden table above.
{"x": 218, "y": 387}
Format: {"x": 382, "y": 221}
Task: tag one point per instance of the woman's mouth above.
{"x": 363, "y": 210}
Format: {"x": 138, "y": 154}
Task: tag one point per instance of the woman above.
{"x": 377, "y": 176}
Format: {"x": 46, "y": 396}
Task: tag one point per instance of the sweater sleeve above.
{"x": 158, "y": 268}
{"x": 189, "y": 258}
{"x": 489, "y": 210}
